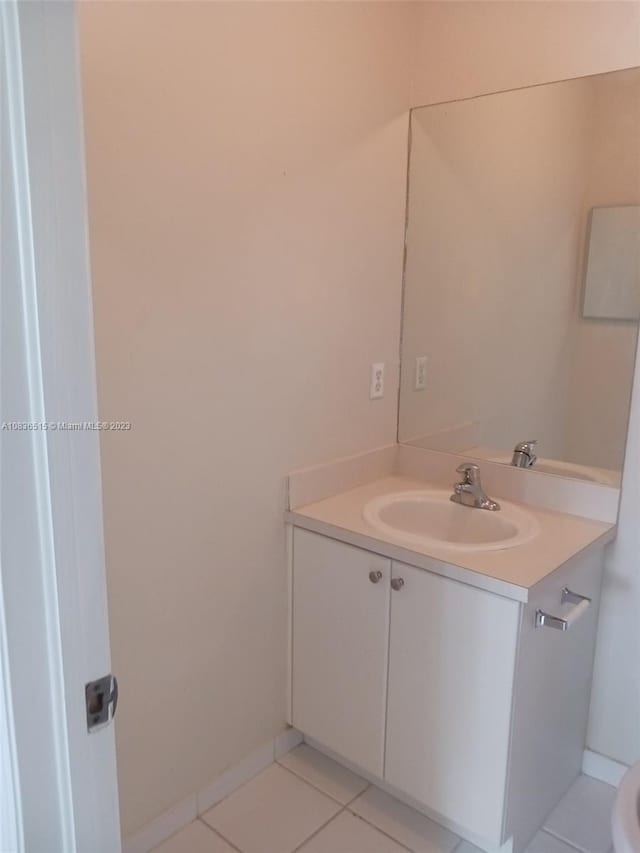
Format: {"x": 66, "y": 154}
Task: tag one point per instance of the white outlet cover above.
{"x": 376, "y": 389}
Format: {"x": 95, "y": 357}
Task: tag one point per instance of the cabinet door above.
{"x": 451, "y": 673}
{"x": 340, "y": 646}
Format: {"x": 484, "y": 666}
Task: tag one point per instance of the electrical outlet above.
{"x": 376, "y": 389}
{"x": 421, "y": 373}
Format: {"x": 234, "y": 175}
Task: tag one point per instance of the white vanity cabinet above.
{"x": 445, "y": 692}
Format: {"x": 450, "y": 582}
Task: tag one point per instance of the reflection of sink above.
{"x": 573, "y": 470}
{"x": 428, "y": 517}
{"x": 566, "y": 469}
{"x": 578, "y": 472}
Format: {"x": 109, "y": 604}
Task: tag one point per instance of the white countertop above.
{"x": 510, "y": 571}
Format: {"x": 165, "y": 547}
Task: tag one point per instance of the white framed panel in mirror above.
{"x": 612, "y": 279}
{"x": 497, "y": 350}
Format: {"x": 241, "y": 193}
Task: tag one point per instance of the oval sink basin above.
{"x": 428, "y": 517}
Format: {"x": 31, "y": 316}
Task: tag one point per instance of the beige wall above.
{"x": 464, "y": 49}
{"x": 246, "y": 171}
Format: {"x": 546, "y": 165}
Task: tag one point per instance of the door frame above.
{"x": 53, "y": 599}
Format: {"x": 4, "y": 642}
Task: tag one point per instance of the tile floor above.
{"x": 305, "y": 802}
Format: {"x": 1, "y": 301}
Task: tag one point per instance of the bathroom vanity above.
{"x": 441, "y": 670}
{"x": 446, "y": 651}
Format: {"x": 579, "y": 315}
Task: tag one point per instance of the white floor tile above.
{"x": 273, "y": 813}
{"x": 583, "y": 817}
{"x": 545, "y": 843}
{"x": 349, "y": 834}
{"x": 195, "y": 838}
{"x": 406, "y": 825}
{"x": 324, "y": 773}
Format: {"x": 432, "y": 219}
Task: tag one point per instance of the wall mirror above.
{"x": 522, "y": 279}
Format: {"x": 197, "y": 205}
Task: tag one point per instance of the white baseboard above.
{"x": 286, "y": 741}
{"x": 236, "y": 776}
{"x": 163, "y": 827}
{"x": 182, "y": 814}
{"x": 600, "y": 767}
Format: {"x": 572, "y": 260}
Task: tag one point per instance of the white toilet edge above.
{"x": 626, "y": 813}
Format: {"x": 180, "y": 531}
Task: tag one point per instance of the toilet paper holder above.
{"x": 563, "y": 623}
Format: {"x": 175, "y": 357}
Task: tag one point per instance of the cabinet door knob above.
{"x": 375, "y": 577}
{"x": 397, "y": 583}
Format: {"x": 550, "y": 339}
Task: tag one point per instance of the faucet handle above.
{"x": 525, "y": 446}
{"x": 470, "y": 470}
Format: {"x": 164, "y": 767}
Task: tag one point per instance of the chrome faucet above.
{"x": 523, "y": 455}
{"x": 470, "y": 492}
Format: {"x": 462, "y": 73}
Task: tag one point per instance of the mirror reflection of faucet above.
{"x": 523, "y": 454}
{"x": 469, "y": 491}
